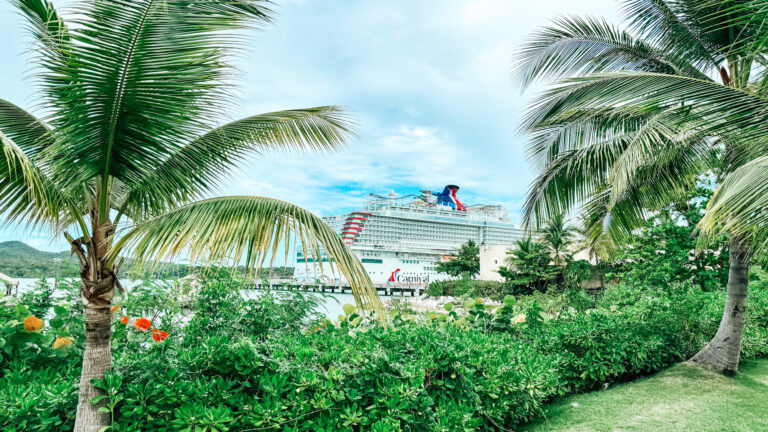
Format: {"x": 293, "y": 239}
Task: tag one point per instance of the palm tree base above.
{"x": 97, "y": 359}
{"x": 718, "y": 356}
{"x": 722, "y": 353}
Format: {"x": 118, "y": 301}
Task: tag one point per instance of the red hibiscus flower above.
{"x": 124, "y": 319}
{"x": 159, "y": 335}
{"x": 142, "y": 324}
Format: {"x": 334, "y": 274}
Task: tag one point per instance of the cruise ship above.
{"x": 399, "y": 240}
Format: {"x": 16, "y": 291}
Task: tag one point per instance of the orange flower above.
{"x": 124, "y": 319}
{"x": 142, "y": 324}
{"x": 433, "y": 316}
{"x": 159, "y": 335}
{"x": 33, "y": 323}
{"x": 115, "y": 308}
{"x": 61, "y": 342}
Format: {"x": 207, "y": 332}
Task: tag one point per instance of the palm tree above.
{"x": 558, "y": 236}
{"x": 636, "y": 114}
{"x": 132, "y": 130}
{"x": 527, "y": 267}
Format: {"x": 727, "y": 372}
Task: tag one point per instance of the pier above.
{"x": 382, "y": 289}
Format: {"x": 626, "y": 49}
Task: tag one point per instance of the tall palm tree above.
{"x": 132, "y": 131}
{"x": 636, "y": 114}
{"x": 558, "y": 236}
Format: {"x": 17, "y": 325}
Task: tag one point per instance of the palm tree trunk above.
{"x": 97, "y": 359}
{"x": 723, "y": 351}
{"x": 97, "y": 290}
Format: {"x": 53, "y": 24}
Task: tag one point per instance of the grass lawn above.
{"x": 682, "y": 398}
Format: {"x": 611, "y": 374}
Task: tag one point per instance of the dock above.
{"x": 382, "y": 289}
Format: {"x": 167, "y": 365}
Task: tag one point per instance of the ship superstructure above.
{"x": 400, "y": 239}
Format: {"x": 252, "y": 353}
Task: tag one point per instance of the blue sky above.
{"x": 427, "y": 81}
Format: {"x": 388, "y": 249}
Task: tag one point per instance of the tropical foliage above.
{"x": 664, "y": 250}
{"x": 559, "y": 237}
{"x": 272, "y": 361}
{"x": 528, "y": 267}
{"x": 638, "y": 112}
{"x": 466, "y": 262}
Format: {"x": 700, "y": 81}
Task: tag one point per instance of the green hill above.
{"x": 18, "y": 259}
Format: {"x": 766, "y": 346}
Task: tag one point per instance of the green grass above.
{"x": 682, "y": 398}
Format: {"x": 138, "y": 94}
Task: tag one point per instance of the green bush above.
{"x": 604, "y": 345}
{"x": 419, "y": 377}
{"x": 269, "y": 363}
{"x": 221, "y": 307}
{"x": 470, "y": 288}
{"x": 755, "y": 342}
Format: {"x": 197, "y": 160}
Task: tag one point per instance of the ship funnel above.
{"x": 448, "y": 198}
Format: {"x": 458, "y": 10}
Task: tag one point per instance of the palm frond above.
{"x": 718, "y": 109}
{"x": 196, "y": 168}
{"x": 674, "y": 27}
{"x": 584, "y": 152}
{"x": 740, "y": 205}
{"x": 575, "y": 46}
{"x": 626, "y": 142}
{"x": 23, "y": 168}
{"x": 579, "y": 128}
{"x": 44, "y": 23}
{"x": 610, "y": 218}
{"x": 247, "y": 230}
{"x": 26, "y": 131}
{"x": 27, "y": 196}
{"x": 145, "y": 77}
{"x": 617, "y": 171}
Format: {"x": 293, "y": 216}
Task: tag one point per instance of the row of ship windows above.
{"x": 366, "y": 261}
{"x": 391, "y": 237}
{"x": 379, "y": 261}
{"x": 426, "y": 271}
{"x": 404, "y": 273}
{"x": 395, "y": 227}
{"x": 420, "y": 225}
{"x": 309, "y": 260}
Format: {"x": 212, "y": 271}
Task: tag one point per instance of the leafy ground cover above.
{"x": 272, "y": 363}
{"x": 685, "y": 397}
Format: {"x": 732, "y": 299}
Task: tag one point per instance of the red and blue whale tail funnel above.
{"x": 448, "y": 198}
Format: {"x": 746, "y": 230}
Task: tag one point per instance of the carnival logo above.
{"x": 394, "y": 276}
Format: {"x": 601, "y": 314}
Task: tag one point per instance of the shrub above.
{"x": 270, "y": 363}
{"x": 469, "y": 288}
{"x": 755, "y": 342}
{"x": 220, "y": 307}
{"x": 40, "y": 299}
{"x": 411, "y": 377}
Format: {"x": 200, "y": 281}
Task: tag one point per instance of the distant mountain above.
{"x": 20, "y": 260}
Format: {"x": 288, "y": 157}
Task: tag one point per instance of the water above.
{"x": 332, "y": 304}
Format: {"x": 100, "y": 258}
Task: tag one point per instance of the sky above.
{"x": 428, "y": 83}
